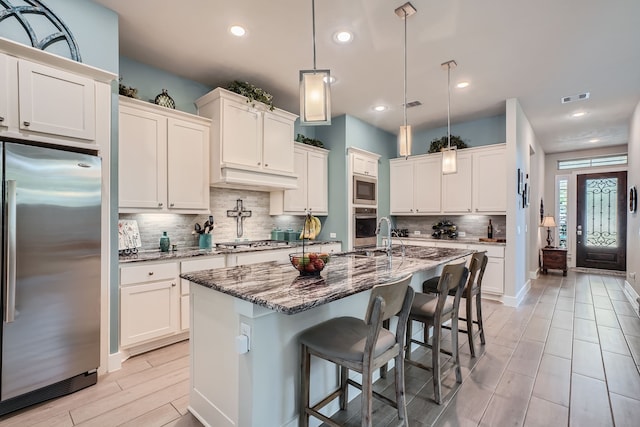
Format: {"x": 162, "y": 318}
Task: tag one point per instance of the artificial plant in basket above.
{"x": 252, "y": 93}
{"x": 443, "y": 142}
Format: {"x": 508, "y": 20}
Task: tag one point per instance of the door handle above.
{"x": 10, "y": 250}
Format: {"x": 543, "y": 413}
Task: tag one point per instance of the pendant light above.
{"x": 315, "y": 89}
{"x": 404, "y": 136}
{"x": 449, "y": 155}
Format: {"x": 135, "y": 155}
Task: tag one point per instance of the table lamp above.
{"x": 548, "y": 221}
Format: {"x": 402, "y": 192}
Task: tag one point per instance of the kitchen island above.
{"x": 272, "y": 304}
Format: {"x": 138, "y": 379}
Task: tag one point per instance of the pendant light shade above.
{"x": 315, "y": 97}
{"x": 315, "y": 88}
{"x": 404, "y": 141}
{"x": 449, "y": 154}
{"x": 404, "y": 136}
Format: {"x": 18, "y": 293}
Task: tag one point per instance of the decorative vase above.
{"x": 205, "y": 241}
{"x": 165, "y": 243}
{"x": 164, "y": 100}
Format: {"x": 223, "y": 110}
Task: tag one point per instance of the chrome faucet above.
{"x": 388, "y": 221}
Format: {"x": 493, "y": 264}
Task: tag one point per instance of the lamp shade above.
{"x": 404, "y": 141}
{"x": 548, "y": 221}
{"x": 449, "y": 160}
{"x": 315, "y": 97}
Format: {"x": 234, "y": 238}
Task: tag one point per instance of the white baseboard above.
{"x": 515, "y": 301}
{"x": 632, "y": 296}
{"x": 534, "y": 274}
{"x": 114, "y": 362}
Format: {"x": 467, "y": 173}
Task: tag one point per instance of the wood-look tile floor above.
{"x": 568, "y": 355}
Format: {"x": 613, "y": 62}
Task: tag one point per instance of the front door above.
{"x": 601, "y": 240}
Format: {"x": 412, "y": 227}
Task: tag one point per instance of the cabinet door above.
{"x": 493, "y": 280}
{"x": 365, "y": 165}
{"x": 277, "y": 151}
{"x": 148, "y": 311}
{"x": 241, "y": 134}
{"x": 317, "y": 182}
{"x": 188, "y": 165}
{"x": 142, "y": 159}
{"x": 4, "y": 89}
{"x": 490, "y": 181}
{"x": 56, "y": 102}
{"x": 295, "y": 201}
{"x": 457, "y": 187}
{"x": 401, "y": 187}
{"x": 427, "y": 185}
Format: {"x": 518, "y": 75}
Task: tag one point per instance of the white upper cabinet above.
{"x": 56, "y": 102}
{"x": 4, "y": 88}
{"x": 415, "y": 185}
{"x": 490, "y": 180}
{"x": 364, "y": 165}
{"x": 456, "y": 187}
{"x": 418, "y": 186}
{"x": 45, "y": 98}
{"x": 251, "y": 146}
{"x": 163, "y": 159}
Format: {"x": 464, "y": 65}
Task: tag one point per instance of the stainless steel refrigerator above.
{"x": 50, "y": 273}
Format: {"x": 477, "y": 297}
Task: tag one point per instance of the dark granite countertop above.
{"x": 156, "y": 255}
{"x": 278, "y": 286}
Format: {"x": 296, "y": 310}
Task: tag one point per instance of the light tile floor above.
{"x": 568, "y": 355}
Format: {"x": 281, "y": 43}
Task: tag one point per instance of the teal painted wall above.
{"x": 476, "y": 133}
{"x": 150, "y": 81}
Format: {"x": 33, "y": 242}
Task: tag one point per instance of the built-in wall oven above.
{"x": 365, "y": 190}
{"x": 364, "y": 227}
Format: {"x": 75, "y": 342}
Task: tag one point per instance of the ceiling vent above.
{"x": 573, "y": 98}
{"x": 413, "y": 104}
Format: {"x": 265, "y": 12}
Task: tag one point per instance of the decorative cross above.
{"x": 240, "y": 214}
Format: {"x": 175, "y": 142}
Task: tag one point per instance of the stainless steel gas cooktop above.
{"x": 252, "y": 244}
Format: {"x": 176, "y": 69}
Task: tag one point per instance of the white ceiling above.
{"x": 536, "y": 51}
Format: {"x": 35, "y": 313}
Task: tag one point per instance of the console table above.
{"x": 554, "y": 258}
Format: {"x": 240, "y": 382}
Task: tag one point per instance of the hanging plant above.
{"x": 252, "y": 93}
{"x": 439, "y": 143}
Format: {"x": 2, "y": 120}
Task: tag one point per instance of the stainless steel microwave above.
{"x": 365, "y": 190}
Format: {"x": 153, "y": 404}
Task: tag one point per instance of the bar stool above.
{"x": 477, "y": 267}
{"x": 433, "y": 311}
{"x": 362, "y": 346}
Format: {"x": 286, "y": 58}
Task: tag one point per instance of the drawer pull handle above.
{"x": 27, "y": 124}
{"x": 150, "y": 273}
{"x": 1, "y": 119}
{"x": 160, "y": 204}
{"x": 172, "y": 205}
{"x": 173, "y": 284}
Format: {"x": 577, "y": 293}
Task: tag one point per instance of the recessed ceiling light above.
{"x": 237, "y": 31}
{"x": 343, "y": 37}
{"x": 380, "y": 108}
{"x": 462, "y": 85}
{"x": 578, "y": 114}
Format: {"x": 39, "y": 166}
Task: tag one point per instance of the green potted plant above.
{"x": 443, "y": 142}
{"x": 252, "y": 93}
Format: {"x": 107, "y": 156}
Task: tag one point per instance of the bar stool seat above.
{"x": 362, "y": 346}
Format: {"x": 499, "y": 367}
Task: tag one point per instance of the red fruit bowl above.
{"x": 309, "y": 263}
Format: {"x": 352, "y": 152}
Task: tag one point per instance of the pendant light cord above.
{"x": 449, "y": 105}
{"x": 313, "y": 19}
{"x": 405, "y": 75}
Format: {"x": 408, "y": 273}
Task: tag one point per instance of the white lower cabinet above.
{"x": 148, "y": 302}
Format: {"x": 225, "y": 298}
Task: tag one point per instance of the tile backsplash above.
{"x": 179, "y": 227}
{"x": 474, "y": 226}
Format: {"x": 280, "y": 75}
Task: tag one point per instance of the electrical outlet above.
{"x": 416, "y": 233}
{"x": 332, "y": 235}
{"x": 246, "y": 331}
{"x": 461, "y": 234}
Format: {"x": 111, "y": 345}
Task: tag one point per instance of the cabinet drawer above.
{"x": 492, "y": 251}
{"x": 148, "y": 273}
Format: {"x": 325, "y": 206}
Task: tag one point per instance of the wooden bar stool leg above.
{"x": 344, "y": 386}
{"x": 479, "y": 316}
{"x": 304, "y": 393}
{"x": 455, "y": 353}
{"x": 469, "y": 316}
{"x": 435, "y": 362}
{"x": 400, "y": 397}
{"x": 367, "y": 395}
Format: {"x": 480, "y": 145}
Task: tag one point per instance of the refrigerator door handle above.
{"x": 10, "y": 250}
